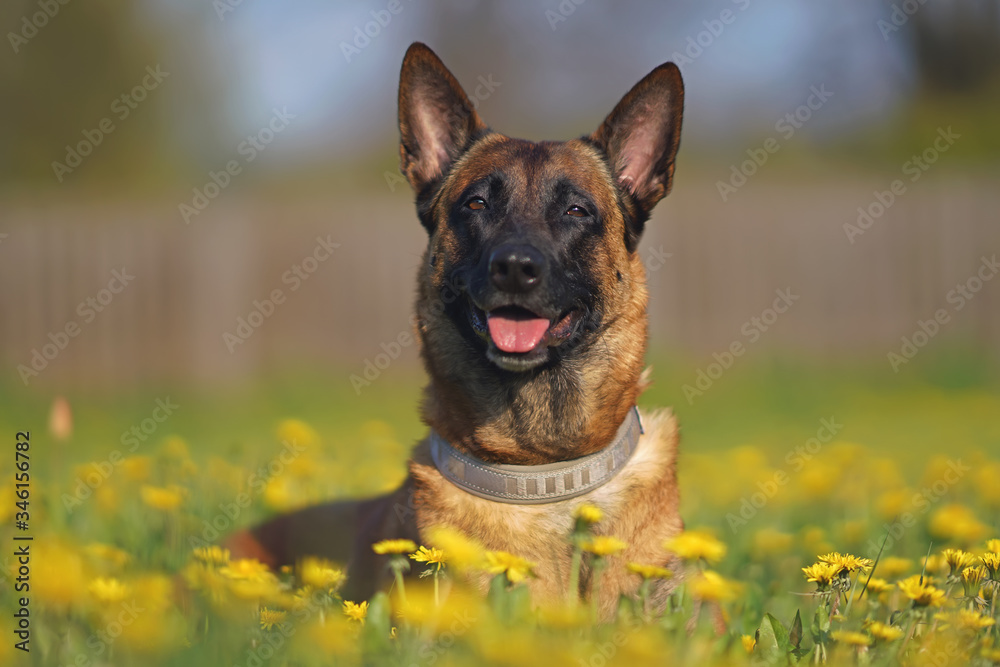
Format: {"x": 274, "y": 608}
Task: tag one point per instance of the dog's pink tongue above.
{"x": 512, "y": 333}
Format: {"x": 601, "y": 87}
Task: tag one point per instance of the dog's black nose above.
{"x": 516, "y": 268}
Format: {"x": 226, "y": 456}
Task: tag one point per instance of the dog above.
{"x": 531, "y": 315}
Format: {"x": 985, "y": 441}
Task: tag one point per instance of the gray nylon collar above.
{"x": 533, "y": 485}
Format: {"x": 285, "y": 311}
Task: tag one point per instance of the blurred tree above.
{"x": 956, "y": 46}
{"x": 92, "y": 77}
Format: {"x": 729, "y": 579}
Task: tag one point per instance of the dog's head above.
{"x": 532, "y": 250}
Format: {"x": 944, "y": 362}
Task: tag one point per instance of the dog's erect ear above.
{"x": 436, "y": 118}
{"x": 641, "y": 137}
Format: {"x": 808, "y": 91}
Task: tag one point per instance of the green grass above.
{"x": 897, "y": 433}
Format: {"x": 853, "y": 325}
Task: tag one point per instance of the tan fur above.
{"x": 640, "y": 506}
{"x": 483, "y": 421}
{"x": 561, "y": 411}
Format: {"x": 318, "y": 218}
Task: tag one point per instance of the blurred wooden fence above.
{"x": 726, "y": 260}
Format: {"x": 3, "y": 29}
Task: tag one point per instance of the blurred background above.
{"x": 174, "y": 175}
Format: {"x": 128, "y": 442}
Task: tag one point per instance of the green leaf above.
{"x": 504, "y": 599}
{"x": 773, "y": 637}
{"x": 820, "y": 626}
{"x": 378, "y": 625}
{"x": 795, "y": 636}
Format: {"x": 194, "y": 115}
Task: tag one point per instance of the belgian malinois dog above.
{"x": 531, "y": 315}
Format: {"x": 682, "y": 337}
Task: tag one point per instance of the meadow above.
{"x": 837, "y": 514}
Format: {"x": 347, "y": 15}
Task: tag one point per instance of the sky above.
{"x": 560, "y": 66}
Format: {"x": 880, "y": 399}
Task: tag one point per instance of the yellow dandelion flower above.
{"x": 650, "y": 571}
{"x": 556, "y": 615}
{"x": 246, "y": 569}
{"x": 394, "y": 547}
{"x": 846, "y": 562}
{"x": 107, "y": 553}
{"x": 883, "y": 632}
{"x": 892, "y": 503}
{"x": 174, "y": 447}
{"x": 992, "y": 562}
{"x": 711, "y": 586}
{"x": 590, "y": 514}
{"x": 137, "y": 468}
{"x": 355, "y": 611}
{"x": 516, "y": 568}
{"x": 877, "y": 586}
{"x": 211, "y": 555}
{"x": 108, "y": 590}
{"x": 320, "y": 574}
{"x": 151, "y": 635}
{"x": 280, "y": 493}
{"x": 432, "y": 556}
{"x": 108, "y": 500}
{"x": 330, "y": 637}
{"x": 7, "y": 500}
{"x": 749, "y": 642}
{"x": 603, "y": 545}
{"x": 971, "y": 577}
{"x": 922, "y": 593}
{"x": 993, "y": 546}
{"x": 957, "y": 559}
{"x": 59, "y": 577}
{"x": 435, "y": 613}
{"x": 692, "y": 545}
{"x": 964, "y": 619}
{"x": 264, "y": 588}
{"x": 851, "y": 638}
{"x": 956, "y": 522}
{"x": 463, "y": 552}
{"x": 894, "y": 566}
{"x": 164, "y": 499}
{"x": 984, "y": 479}
{"x": 271, "y": 617}
{"x": 821, "y": 573}
{"x": 818, "y": 481}
{"x": 298, "y": 433}
{"x": 154, "y": 590}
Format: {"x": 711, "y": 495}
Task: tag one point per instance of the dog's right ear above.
{"x": 436, "y": 119}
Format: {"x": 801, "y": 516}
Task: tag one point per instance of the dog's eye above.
{"x": 577, "y": 212}
{"x": 476, "y": 204}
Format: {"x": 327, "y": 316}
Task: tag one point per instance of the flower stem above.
{"x": 574, "y": 575}
{"x": 595, "y": 586}
{"x": 397, "y": 564}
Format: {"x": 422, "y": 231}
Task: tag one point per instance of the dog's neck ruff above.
{"x": 537, "y": 484}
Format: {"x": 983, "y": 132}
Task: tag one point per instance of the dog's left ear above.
{"x": 641, "y": 137}
{"x": 436, "y": 119}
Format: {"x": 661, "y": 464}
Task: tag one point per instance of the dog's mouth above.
{"x": 520, "y": 339}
